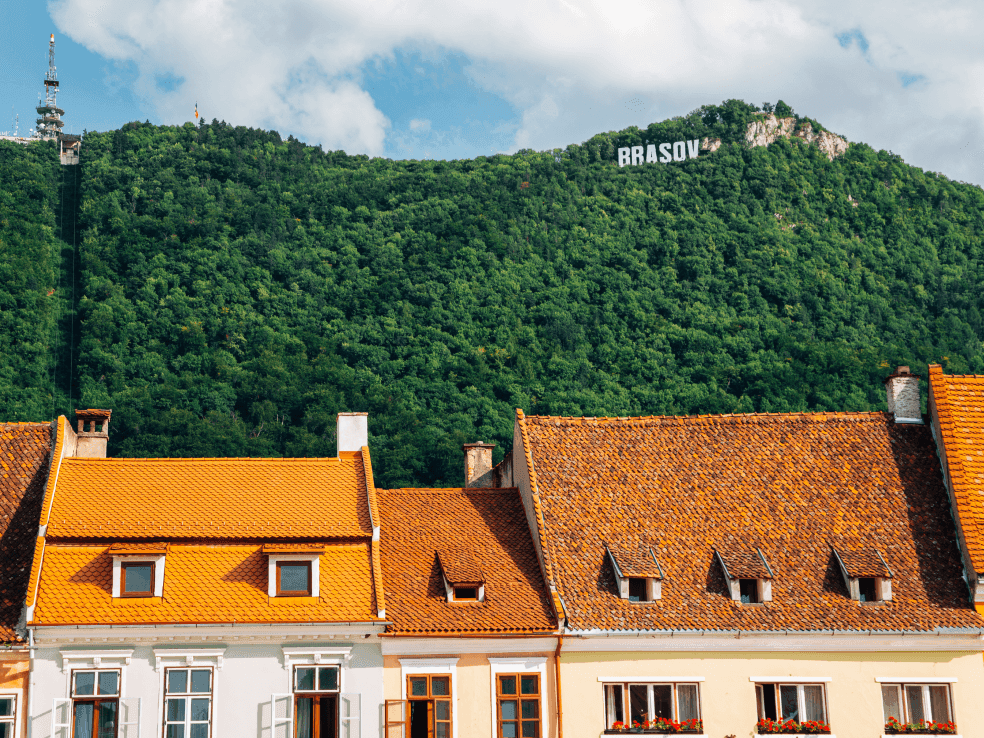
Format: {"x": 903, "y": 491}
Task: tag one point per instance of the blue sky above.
{"x": 462, "y": 78}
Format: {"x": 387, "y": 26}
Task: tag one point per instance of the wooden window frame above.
{"x": 188, "y": 696}
{"x": 318, "y": 689}
{"x": 609, "y": 692}
{"x": 153, "y": 578}
{"x": 431, "y": 699}
{"x": 457, "y": 587}
{"x": 800, "y": 698}
{"x": 293, "y": 593}
{"x": 900, "y": 688}
{"x": 96, "y": 699}
{"x": 316, "y": 693}
{"x": 519, "y": 698}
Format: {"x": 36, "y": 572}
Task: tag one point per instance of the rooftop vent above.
{"x": 904, "y": 398}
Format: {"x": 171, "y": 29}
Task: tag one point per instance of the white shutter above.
{"x": 61, "y": 717}
{"x": 350, "y": 711}
{"x": 282, "y": 716}
{"x": 129, "y": 717}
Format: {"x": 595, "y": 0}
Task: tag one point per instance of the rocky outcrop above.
{"x": 763, "y": 131}
{"x": 710, "y": 144}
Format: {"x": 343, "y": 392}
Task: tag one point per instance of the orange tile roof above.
{"x": 221, "y": 583}
{"x": 491, "y": 524}
{"x": 25, "y": 450}
{"x": 783, "y": 483}
{"x": 959, "y": 405}
{"x": 639, "y": 561}
{"x": 459, "y": 565}
{"x": 211, "y": 498}
{"x": 124, "y": 549}
{"x": 743, "y": 563}
{"x": 863, "y": 562}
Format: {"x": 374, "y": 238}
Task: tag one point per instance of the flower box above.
{"x": 660, "y": 727}
{"x": 765, "y": 726}
{"x": 894, "y": 727}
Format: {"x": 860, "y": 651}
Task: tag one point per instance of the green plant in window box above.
{"x": 658, "y": 725}
{"x": 767, "y": 725}
{"x": 894, "y": 727}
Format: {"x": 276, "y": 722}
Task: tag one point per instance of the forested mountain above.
{"x": 239, "y": 290}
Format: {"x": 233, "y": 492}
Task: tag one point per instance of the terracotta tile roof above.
{"x": 211, "y": 498}
{"x": 293, "y": 548}
{"x": 783, "y": 483}
{"x": 743, "y": 563}
{"x": 959, "y": 402}
{"x": 459, "y": 565}
{"x": 639, "y": 561}
{"x": 25, "y": 450}
{"x": 135, "y": 549}
{"x": 863, "y": 562}
{"x": 491, "y": 524}
{"x": 221, "y": 583}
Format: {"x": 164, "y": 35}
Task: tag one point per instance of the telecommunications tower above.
{"x": 50, "y": 123}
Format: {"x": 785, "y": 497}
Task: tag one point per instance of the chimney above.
{"x": 478, "y": 463}
{"x": 353, "y": 431}
{"x": 904, "y": 400}
{"x": 93, "y": 433}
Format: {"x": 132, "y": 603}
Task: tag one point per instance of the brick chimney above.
{"x": 93, "y": 433}
{"x": 478, "y": 462}
{"x": 904, "y": 398}
{"x": 353, "y": 431}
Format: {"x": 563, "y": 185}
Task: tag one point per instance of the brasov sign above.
{"x": 667, "y": 152}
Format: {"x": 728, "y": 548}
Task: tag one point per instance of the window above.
{"x": 429, "y": 706}
{"x": 137, "y": 579}
{"x": 637, "y": 589}
{"x": 316, "y": 701}
{"x": 293, "y": 579}
{"x": 866, "y": 589}
{"x": 8, "y": 715}
{"x": 799, "y": 702}
{"x": 914, "y": 703}
{"x": 749, "y": 591}
{"x": 630, "y": 704}
{"x": 187, "y": 703}
{"x": 466, "y": 594}
{"x": 95, "y": 703}
{"x": 518, "y": 705}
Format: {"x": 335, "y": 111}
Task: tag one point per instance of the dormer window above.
{"x": 138, "y": 569}
{"x": 747, "y": 573}
{"x": 464, "y": 580}
{"x": 293, "y": 579}
{"x": 637, "y": 572}
{"x": 293, "y": 569}
{"x": 866, "y": 574}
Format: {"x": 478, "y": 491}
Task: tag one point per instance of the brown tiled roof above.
{"x": 959, "y": 400}
{"x": 459, "y": 565}
{"x": 863, "y": 562}
{"x": 637, "y": 561}
{"x": 783, "y": 483}
{"x": 25, "y": 450}
{"x": 743, "y": 563}
{"x": 491, "y": 524}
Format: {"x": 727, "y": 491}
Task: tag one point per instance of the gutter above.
{"x": 560, "y": 714}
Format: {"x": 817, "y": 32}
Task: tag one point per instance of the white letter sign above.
{"x": 637, "y": 155}
{"x": 677, "y": 151}
{"x": 623, "y": 156}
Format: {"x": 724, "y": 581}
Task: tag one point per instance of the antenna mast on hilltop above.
{"x": 50, "y": 122}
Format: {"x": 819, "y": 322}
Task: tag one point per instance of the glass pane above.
{"x": 109, "y": 682}
{"x": 83, "y": 719}
{"x": 687, "y": 697}
{"x": 507, "y": 710}
{"x": 890, "y": 701}
{"x": 441, "y": 686}
{"x": 788, "y": 702}
{"x": 175, "y": 710}
{"x": 6, "y": 706}
{"x": 442, "y": 710}
{"x": 531, "y": 728}
{"x": 442, "y": 730}
{"x": 528, "y": 683}
{"x": 939, "y": 703}
{"x": 813, "y": 697}
{"x": 85, "y": 682}
{"x": 200, "y": 681}
{"x": 418, "y": 686}
{"x": 107, "y": 719}
{"x": 199, "y": 730}
{"x": 137, "y": 578}
{"x": 913, "y": 696}
{"x": 507, "y": 685}
{"x": 531, "y": 709}
{"x": 175, "y": 731}
{"x": 638, "y": 703}
{"x": 305, "y": 711}
{"x": 328, "y": 677}
{"x": 6, "y": 730}
{"x": 509, "y": 730}
{"x": 199, "y": 708}
{"x": 614, "y": 697}
{"x": 177, "y": 681}
{"x": 305, "y": 680}
{"x": 663, "y": 701}
{"x": 294, "y": 577}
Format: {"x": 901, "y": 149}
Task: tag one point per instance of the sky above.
{"x": 461, "y": 78}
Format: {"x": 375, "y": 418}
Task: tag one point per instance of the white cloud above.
{"x": 419, "y": 124}
{"x": 573, "y": 67}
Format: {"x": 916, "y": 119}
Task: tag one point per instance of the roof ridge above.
{"x": 149, "y": 459}
{"x": 447, "y": 490}
{"x": 866, "y": 415}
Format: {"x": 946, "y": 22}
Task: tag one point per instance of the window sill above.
{"x": 656, "y": 733}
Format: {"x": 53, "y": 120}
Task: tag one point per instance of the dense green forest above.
{"x": 238, "y": 290}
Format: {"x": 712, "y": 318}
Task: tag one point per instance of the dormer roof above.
{"x": 138, "y": 549}
{"x": 635, "y": 561}
{"x": 861, "y": 561}
{"x": 459, "y": 565}
{"x": 744, "y": 563}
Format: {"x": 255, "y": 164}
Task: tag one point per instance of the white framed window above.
{"x": 633, "y": 703}
{"x": 802, "y": 702}
{"x": 187, "y": 702}
{"x": 908, "y": 702}
{"x": 138, "y": 576}
{"x": 9, "y": 714}
{"x": 522, "y": 666}
{"x": 294, "y": 575}
{"x": 434, "y": 669}
{"x": 315, "y": 704}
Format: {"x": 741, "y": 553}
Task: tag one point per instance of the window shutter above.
{"x": 129, "y": 717}
{"x": 61, "y": 717}
{"x": 282, "y": 716}
{"x": 396, "y": 719}
{"x": 350, "y": 711}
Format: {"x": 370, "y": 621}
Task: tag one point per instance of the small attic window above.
{"x": 638, "y": 589}
{"x": 293, "y": 569}
{"x": 748, "y": 575}
{"x": 637, "y": 572}
{"x": 137, "y": 579}
{"x": 866, "y": 589}
{"x": 466, "y": 593}
{"x": 866, "y": 574}
{"x": 464, "y": 580}
{"x": 138, "y": 569}
{"x": 748, "y": 590}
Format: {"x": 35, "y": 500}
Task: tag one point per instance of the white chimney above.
{"x": 904, "y": 399}
{"x": 353, "y": 431}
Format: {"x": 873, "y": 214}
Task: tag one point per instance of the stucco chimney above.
{"x": 353, "y": 431}
{"x": 93, "y": 433}
{"x": 904, "y": 400}
{"x": 478, "y": 461}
